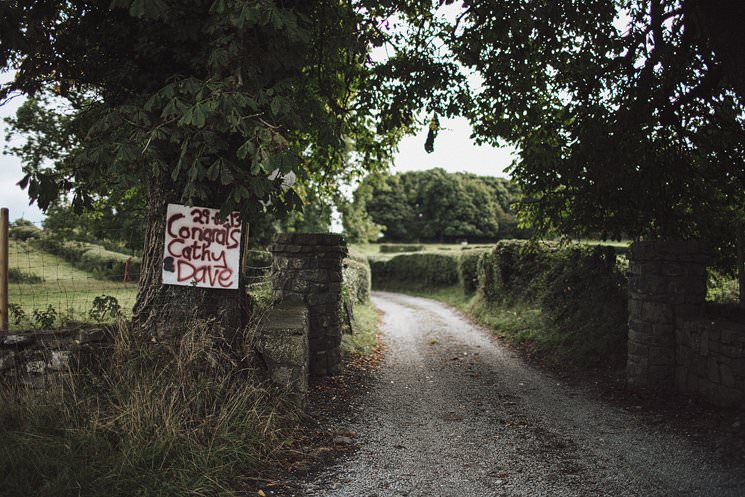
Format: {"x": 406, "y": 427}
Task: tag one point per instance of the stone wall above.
{"x": 282, "y": 345}
{"x": 36, "y": 358}
{"x": 710, "y": 357}
{"x": 307, "y": 268}
{"x": 667, "y": 282}
{"x": 673, "y": 343}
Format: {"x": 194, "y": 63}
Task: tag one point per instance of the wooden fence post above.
{"x": 4, "y": 256}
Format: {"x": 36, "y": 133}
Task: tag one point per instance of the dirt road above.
{"x": 452, "y": 413}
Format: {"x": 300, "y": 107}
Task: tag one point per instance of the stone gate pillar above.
{"x": 307, "y": 268}
{"x": 667, "y": 282}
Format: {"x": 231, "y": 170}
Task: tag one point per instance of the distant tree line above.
{"x": 432, "y": 206}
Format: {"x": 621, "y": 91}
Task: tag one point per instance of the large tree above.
{"x": 437, "y": 206}
{"x": 626, "y": 113}
{"x": 201, "y": 101}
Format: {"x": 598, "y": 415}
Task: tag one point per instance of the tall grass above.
{"x": 363, "y": 339}
{"x": 181, "y": 419}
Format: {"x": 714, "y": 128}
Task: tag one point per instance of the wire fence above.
{"x": 55, "y": 278}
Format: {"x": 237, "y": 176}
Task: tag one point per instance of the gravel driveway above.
{"x": 452, "y": 413}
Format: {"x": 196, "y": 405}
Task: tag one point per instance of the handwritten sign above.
{"x": 201, "y": 248}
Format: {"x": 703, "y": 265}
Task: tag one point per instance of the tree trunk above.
{"x": 164, "y": 311}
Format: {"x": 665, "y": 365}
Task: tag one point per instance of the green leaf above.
{"x": 193, "y": 172}
{"x": 137, "y": 9}
{"x": 171, "y": 109}
{"x": 214, "y": 170}
{"x": 187, "y": 118}
{"x": 240, "y": 192}
{"x": 226, "y": 177}
{"x": 199, "y": 115}
{"x": 218, "y": 7}
{"x": 276, "y": 105}
{"x": 248, "y": 148}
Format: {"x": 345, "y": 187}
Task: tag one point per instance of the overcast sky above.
{"x": 454, "y": 152}
{"x": 11, "y": 195}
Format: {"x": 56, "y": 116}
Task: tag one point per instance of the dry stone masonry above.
{"x": 673, "y": 342}
{"x": 36, "y": 359}
{"x": 282, "y": 344}
{"x": 711, "y": 360}
{"x": 667, "y": 282}
{"x": 307, "y": 269}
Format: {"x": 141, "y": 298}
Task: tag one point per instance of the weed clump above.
{"x": 176, "y": 419}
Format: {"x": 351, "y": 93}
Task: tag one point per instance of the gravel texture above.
{"x": 451, "y": 413}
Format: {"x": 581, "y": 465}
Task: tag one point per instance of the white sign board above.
{"x": 201, "y": 249}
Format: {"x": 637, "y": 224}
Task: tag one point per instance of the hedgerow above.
{"x": 580, "y": 291}
{"x": 16, "y": 275}
{"x": 24, "y": 232}
{"x": 415, "y": 271}
{"x": 468, "y": 270}
{"x": 104, "y": 264}
{"x": 576, "y": 295}
{"x": 397, "y": 249}
{"x": 357, "y": 280}
{"x": 514, "y": 271}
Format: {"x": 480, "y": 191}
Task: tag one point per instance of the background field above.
{"x": 68, "y": 290}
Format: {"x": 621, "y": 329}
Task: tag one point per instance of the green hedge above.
{"x": 415, "y": 271}
{"x": 16, "y": 275}
{"x": 357, "y": 280}
{"x": 468, "y": 270}
{"x": 397, "y": 249}
{"x": 24, "y": 232}
{"x": 584, "y": 300}
{"x": 514, "y": 271}
{"x": 581, "y": 292}
{"x": 104, "y": 264}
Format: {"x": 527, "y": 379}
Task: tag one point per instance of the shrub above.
{"x": 468, "y": 265}
{"x": 397, "y": 249}
{"x": 24, "y": 232}
{"x": 721, "y": 288}
{"x": 513, "y": 271}
{"x": 584, "y": 301}
{"x": 485, "y": 275}
{"x": 415, "y": 271}
{"x": 16, "y": 275}
{"x": 104, "y": 264}
{"x": 580, "y": 291}
{"x": 107, "y": 264}
{"x": 258, "y": 264}
{"x": 357, "y": 280}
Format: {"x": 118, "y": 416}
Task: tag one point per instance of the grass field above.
{"x": 373, "y": 250}
{"x": 68, "y": 290}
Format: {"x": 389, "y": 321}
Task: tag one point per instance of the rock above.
{"x": 36, "y": 367}
{"x": 343, "y": 441}
{"x": 60, "y": 360}
{"x": 16, "y": 340}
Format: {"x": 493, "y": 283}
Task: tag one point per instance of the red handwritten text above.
{"x": 201, "y": 248}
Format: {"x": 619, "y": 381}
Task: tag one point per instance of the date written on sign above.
{"x": 201, "y": 248}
